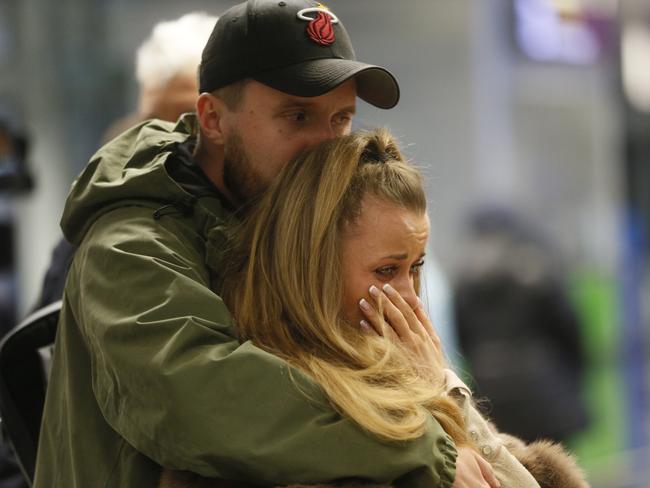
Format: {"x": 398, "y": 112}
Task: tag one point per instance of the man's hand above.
{"x": 472, "y": 471}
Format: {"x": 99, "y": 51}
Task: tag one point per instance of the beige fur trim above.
{"x": 549, "y": 463}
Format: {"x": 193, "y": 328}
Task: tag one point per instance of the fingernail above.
{"x": 364, "y": 304}
{"x": 374, "y": 291}
{"x": 389, "y": 289}
{"x": 419, "y": 302}
{"x": 365, "y": 326}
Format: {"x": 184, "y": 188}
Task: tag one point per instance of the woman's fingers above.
{"x": 397, "y": 312}
{"x": 428, "y": 326}
{"x": 473, "y": 471}
{"x": 389, "y": 314}
{"x": 375, "y": 322}
{"x": 373, "y": 318}
{"x": 394, "y": 316}
{"x": 404, "y": 307}
{"x": 488, "y": 473}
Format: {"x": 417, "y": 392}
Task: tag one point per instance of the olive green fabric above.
{"x": 147, "y": 370}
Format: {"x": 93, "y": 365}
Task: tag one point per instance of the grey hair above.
{"x": 173, "y": 48}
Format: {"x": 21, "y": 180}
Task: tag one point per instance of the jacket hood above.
{"x": 132, "y": 169}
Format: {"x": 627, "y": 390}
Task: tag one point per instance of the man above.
{"x": 147, "y": 369}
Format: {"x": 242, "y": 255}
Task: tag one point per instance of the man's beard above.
{"x": 239, "y": 176}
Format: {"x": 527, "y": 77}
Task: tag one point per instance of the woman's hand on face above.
{"x": 411, "y": 326}
{"x": 472, "y": 471}
{"x": 403, "y": 322}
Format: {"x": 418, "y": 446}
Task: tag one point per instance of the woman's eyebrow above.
{"x": 397, "y": 256}
{"x": 402, "y": 256}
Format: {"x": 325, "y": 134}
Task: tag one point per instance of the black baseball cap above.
{"x": 299, "y": 47}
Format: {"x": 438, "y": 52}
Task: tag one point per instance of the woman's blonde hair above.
{"x": 285, "y": 286}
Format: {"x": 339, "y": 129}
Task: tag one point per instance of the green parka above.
{"x": 147, "y": 370}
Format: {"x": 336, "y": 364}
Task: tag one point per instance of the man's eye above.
{"x": 297, "y": 116}
{"x": 343, "y": 118}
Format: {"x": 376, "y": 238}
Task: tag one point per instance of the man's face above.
{"x": 269, "y": 128}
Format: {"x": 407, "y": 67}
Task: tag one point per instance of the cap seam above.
{"x": 305, "y": 61}
{"x": 251, "y": 11}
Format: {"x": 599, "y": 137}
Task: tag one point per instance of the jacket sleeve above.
{"x": 171, "y": 378}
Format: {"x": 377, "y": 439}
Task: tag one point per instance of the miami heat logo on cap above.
{"x": 320, "y": 28}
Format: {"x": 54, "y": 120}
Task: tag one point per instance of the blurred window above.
{"x": 560, "y": 31}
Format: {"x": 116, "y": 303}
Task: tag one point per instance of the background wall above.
{"x": 488, "y": 125}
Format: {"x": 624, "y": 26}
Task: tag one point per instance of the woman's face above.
{"x": 385, "y": 245}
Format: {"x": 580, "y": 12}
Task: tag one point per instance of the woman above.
{"x": 326, "y": 270}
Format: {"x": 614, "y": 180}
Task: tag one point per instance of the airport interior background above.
{"x": 531, "y": 115}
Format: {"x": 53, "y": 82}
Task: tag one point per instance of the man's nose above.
{"x": 321, "y": 133}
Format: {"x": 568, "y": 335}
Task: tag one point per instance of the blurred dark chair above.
{"x": 24, "y": 367}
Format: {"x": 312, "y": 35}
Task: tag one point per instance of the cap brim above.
{"x": 375, "y": 85}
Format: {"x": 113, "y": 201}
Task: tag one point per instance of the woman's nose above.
{"x": 406, "y": 288}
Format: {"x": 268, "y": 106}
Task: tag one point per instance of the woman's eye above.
{"x": 417, "y": 267}
{"x": 386, "y": 271}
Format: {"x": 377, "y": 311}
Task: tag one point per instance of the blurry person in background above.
{"x": 14, "y": 173}
{"x": 166, "y": 70}
{"x": 15, "y": 179}
{"x": 518, "y": 331}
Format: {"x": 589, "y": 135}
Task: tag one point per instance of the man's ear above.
{"x": 210, "y": 111}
